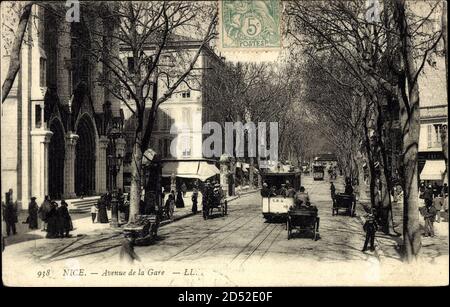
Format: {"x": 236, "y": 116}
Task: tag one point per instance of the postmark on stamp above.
{"x": 250, "y": 24}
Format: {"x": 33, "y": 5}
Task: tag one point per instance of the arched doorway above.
{"x": 85, "y": 158}
{"x": 56, "y": 154}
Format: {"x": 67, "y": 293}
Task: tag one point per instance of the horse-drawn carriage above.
{"x": 217, "y": 201}
{"x": 344, "y": 201}
{"x": 303, "y": 219}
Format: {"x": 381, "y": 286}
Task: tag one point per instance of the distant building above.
{"x": 433, "y": 116}
{"x": 188, "y": 105}
{"x": 55, "y": 117}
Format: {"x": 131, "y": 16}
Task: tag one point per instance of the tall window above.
{"x": 430, "y": 136}
{"x": 42, "y": 72}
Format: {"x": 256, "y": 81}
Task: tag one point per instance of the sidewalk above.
{"x": 388, "y": 247}
{"x": 82, "y": 222}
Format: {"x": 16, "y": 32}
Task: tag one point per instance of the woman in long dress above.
{"x": 33, "y": 214}
{"x": 179, "y": 203}
{"x": 102, "y": 214}
{"x": 53, "y": 224}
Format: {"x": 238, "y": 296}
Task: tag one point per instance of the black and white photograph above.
{"x": 253, "y": 143}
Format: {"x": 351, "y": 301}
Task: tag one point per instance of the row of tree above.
{"x": 362, "y": 80}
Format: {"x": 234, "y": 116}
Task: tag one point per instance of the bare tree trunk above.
{"x": 410, "y": 122}
{"x": 444, "y": 132}
{"x": 14, "y": 59}
{"x": 136, "y": 168}
{"x": 362, "y": 183}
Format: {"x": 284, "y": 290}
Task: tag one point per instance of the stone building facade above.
{"x": 56, "y": 117}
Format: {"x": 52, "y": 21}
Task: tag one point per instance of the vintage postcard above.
{"x": 224, "y": 143}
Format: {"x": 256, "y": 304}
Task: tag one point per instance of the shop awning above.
{"x": 206, "y": 171}
{"x": 190, "y": 169}
{"x": 433, "y": 170}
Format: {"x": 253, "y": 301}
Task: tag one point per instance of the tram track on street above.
{"x": 281, "y": 229}
{"x": 250, "y": 242}
{"x": 227, "y": 236}
{"x": 201, "y": 239}
{"x": 258, "y": 245}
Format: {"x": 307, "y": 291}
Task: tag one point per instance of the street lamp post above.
{"x": 114, "y": 162}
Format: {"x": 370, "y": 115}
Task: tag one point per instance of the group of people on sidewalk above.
{"x": 56, "y": 220}
{"x": 436, "y": 205}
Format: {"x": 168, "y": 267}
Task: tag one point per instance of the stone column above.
{"x": 120, "y": 150}
{"x": 100, "y": 168}
{"x": 97, "y": 91}
{"x": 69, "y": 166}
{"x": 63, "y": 68}
{"x": 39, "y": 142}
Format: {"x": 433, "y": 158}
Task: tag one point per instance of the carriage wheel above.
{"x": 315, "y": 231}
{"x": 222, "y": 210}
{"x": 226, "y": 207}
{"x": 332, "y": 211}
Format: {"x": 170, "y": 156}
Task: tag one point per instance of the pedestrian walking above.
{"x": 43, "y": 211}
{"x": 33, "y": 209}
{"x": 428, "y": 196}
{"x": 184, "y": 189}
{"x": 370, "y": 227}
{"x": 333, "y": 191}
{"x": 422, "y": 189}
{"x": 436, "y": 189}
{"x": 53, "y": 221}
{"x": 10, "y": 214}
{"x": 64, "y": 220}
{"x": 102, "y": 215}
{"x": 94, "y": 211}
{"x": 179, "y": 203}
{"x": 429, "y": 216}
{"x": 438, "y": 204}
{"x": 205, "y": 200}
{"x": 194, "y": 200}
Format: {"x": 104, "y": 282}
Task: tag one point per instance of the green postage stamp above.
{"x": 250, "y": 24}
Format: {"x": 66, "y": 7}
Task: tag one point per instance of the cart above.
{"x": 144, "y": 229}
{"x": 344, "y": 201}
{"x": 220, "y": 204}
{"x": 303, "y": 219}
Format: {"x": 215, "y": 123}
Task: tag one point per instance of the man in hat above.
{"x": 370, "y": 227}
{"x": 10, "y": 214}
{"x": 282, "y": 191}
{"x": 333, "y": 191}
{"x": 265, "y": 191}
{"x": 33, "y": 209}
{"x": 429, "y": 215}
{"x": 194, "y": 199}
{"x": 290, "y": 191}
{"x": 428, "y": 196}
{"x": 206, "y": 200}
